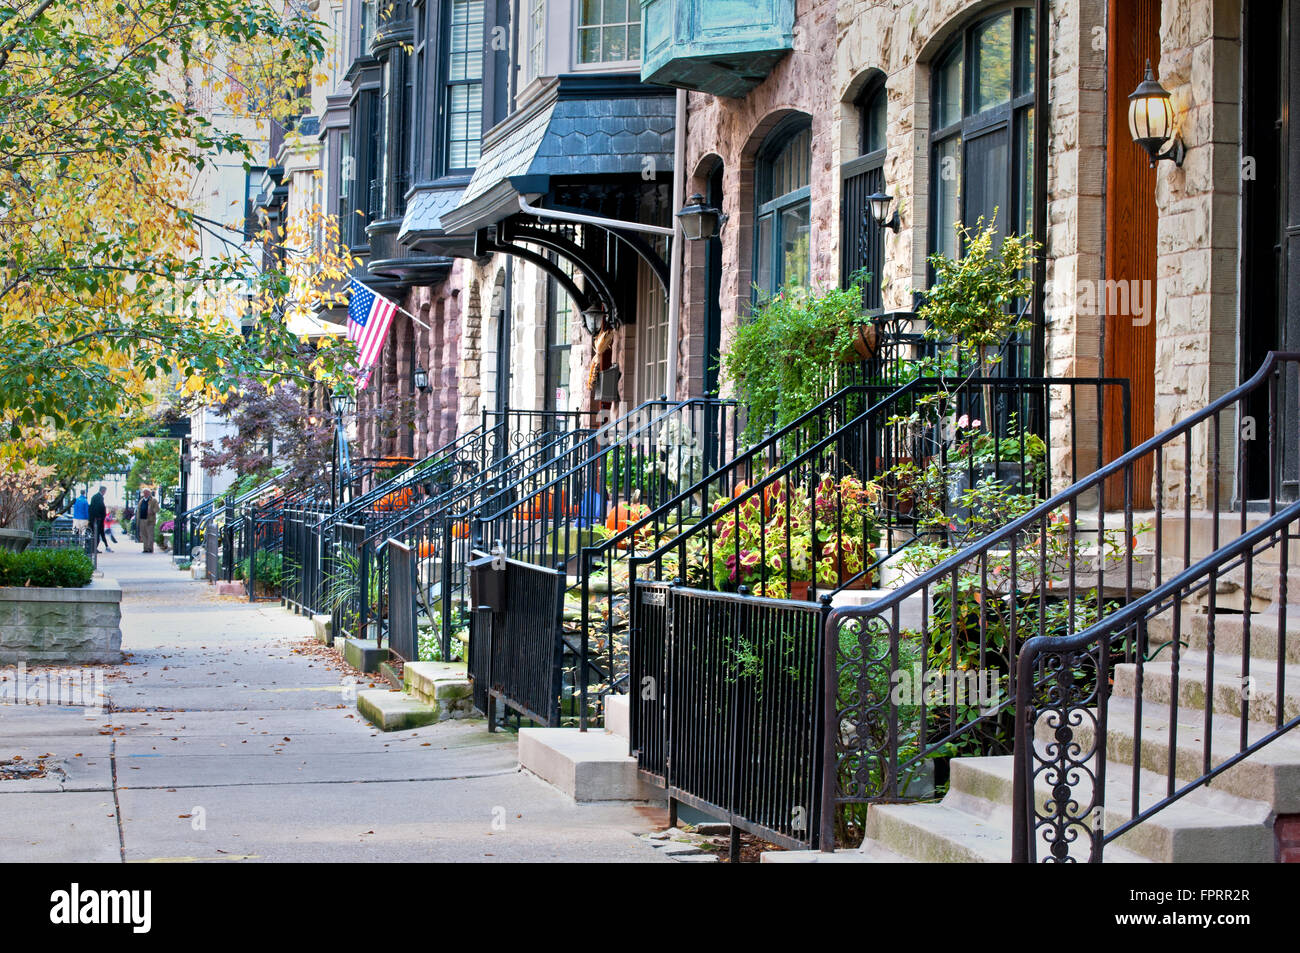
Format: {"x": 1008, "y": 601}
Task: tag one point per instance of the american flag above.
{"x": 369, "y": 317}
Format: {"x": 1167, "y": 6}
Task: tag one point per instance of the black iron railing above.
{"x": 1042, "y": 573}
{"x": 305, "y": 558}
{"x": 516, "y": 647}
{"x": 726, "y": 708}
{"x": 557, "y": 512}
{"x": 403, "y": 640}
{"x": 47, "y": 537}
{"x": 438, "y": 536}
{"x": 1066, "y": 688}
{"x": 883, "y": 476}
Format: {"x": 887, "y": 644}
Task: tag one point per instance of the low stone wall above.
{"x": 51, "y": 626}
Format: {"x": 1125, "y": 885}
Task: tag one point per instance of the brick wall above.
{"x": 1286, "y": 828}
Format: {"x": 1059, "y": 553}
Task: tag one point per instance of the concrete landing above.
{"x": 587, "y": 766}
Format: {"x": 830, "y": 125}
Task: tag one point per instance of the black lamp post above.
{"x": 342, "y": 403}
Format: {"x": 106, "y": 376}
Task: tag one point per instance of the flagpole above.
{"x": 395, "y": 304}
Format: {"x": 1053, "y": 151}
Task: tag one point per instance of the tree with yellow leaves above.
{"x": 108, "y": 109}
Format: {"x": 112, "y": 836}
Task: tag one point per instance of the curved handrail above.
{"x": 1072, "y": 492}
{"x": 1107, "y": 630}
{"x": 435, "y": 506}
{"x": 594, "y": 439}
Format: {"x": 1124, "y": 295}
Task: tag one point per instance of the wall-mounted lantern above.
{"x": 879, "y": 203}
{"x": 420, "y": 378}
{"x": 593, "y": 318}
{"x": 1151, "y": 121}
{"x": 699, "y": 220}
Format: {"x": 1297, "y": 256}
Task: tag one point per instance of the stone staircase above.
{"x": 431, "y": 692}
{"x": 1232, "y": 819}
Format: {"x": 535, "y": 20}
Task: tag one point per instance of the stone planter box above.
{"x": 15, "y": 540}
{"x": 52, "y": 626}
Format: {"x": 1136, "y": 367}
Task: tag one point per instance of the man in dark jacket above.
{"x": 97, "y": 513}
{"x": 146, "y": 515}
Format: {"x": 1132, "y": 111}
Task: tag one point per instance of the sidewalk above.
{"x": 228, "y": 736}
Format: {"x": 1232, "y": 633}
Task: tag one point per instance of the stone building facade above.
{"x": 1149, "y": 271}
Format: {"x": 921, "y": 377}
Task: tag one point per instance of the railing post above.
{"x": 829, "y": 728}
{"x": 445, "y": 594}
{"x": 363, "y": 590}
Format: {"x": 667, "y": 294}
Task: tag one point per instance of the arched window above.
{"x": 982, "y": 128}
{"x": 863, "y": 245}
{"x": 783, "y": 221}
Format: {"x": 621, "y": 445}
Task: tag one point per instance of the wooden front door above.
{"x": 1131, "y": 231}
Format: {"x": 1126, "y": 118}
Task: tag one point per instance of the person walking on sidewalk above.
{"x": 97, "y": 513}
{"x": 81, "y": 513}
{"x": 146, "y": 515}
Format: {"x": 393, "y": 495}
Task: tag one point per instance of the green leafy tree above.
{"x": 155, "y": 464}
{"x": 112, "y": 108}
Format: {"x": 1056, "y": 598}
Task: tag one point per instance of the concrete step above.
{"x": 1230, "y": 588}
{"x": 870, "y": 852}
{"x": 618, "y": 716}
{"x": 585, "y": 765}
{"x": 363, "y": 654}
{"x": 444, "y": 686}
{"x": 960, "y": 830}
{"x": 1260, "y": 692}
{"x": 1271, "y": 775}
{"x": 1229, "y": 632}
{"x": 1204, "y": 825}
{"x": 394, "y": 711}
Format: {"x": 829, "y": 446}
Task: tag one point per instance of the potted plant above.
{"x": 788, "y": 356}
{"x": 972, "y": 302}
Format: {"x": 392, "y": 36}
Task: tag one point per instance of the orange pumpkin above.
{"x": 623, "y": 515}
{"x": 460, "y": 529}
{"x": 396, "y": 500}
{"x": 427, "y": 549}
{"x": 543, "y": 505}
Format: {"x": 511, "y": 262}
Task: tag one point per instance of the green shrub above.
{"x": 269, "y": 568}
{"x": 52, "y": 568}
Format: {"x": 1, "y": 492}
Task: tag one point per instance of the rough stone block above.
{"x": 53, "y": 626}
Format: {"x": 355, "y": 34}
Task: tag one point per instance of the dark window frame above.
{"x": 1010, "y": 119}
{"x": 871, "y": 159}
{"x": 771, "y": 207}
{"x": 447, "y": 85}
{"x": 1005, "y": 117}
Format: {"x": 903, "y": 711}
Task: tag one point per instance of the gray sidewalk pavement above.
{"x": 228, "y": 736}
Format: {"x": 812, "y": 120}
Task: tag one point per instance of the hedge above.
{"x": 56, "y": 568}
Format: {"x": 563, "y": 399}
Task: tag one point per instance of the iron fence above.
{"x": 304, "y": 558}
{"x": 516, "y": 647}
{"x": 726, "y": 710}
{"x": 966, "y": 617}
{"x": 556, "y": 515}
{"x": 403, "y": 637}
{"x": 47, "y": 537}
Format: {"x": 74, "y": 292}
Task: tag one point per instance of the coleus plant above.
{"x": 785, "y": 533}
